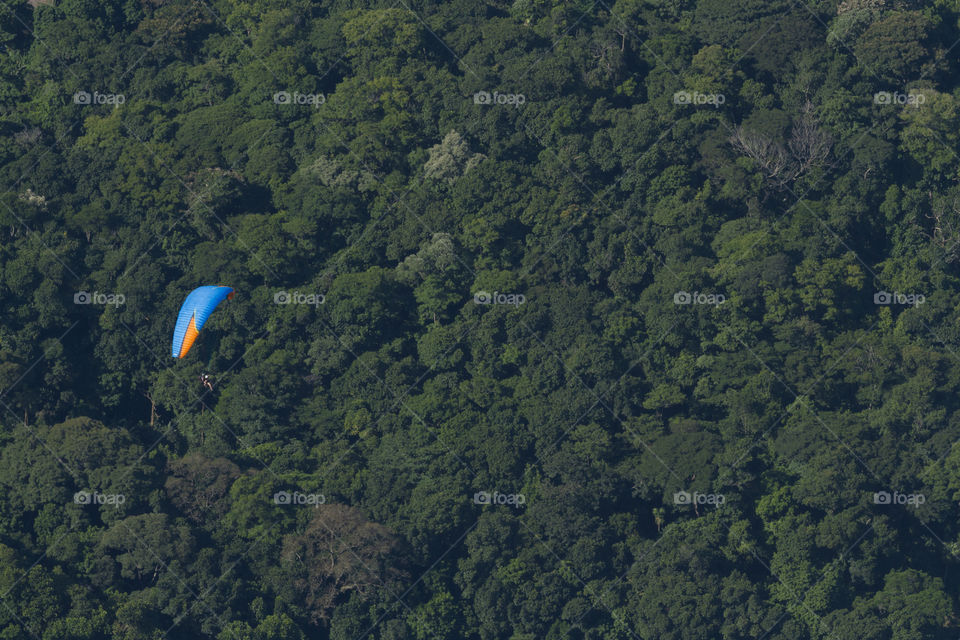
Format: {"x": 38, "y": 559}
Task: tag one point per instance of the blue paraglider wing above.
{"x": 193, "y": 315}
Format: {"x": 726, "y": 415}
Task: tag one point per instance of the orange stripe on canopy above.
{"x": 189, "y": 337}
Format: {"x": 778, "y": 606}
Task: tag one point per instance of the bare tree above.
{"x": 769, "y": 156}
{"x": 809, "y": 147}
{"x": 339, "y": 552}
{"x": 809, "y": 144}
{"x": 198, "y": 486}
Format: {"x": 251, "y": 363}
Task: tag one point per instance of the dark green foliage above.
{"x": 552, "y": 320}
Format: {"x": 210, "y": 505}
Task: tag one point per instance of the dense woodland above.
{"x": 718, "y": 244}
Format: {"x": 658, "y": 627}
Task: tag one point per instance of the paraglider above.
{"x": 198, "y": 306}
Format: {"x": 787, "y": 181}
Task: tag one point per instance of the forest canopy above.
{"x": 634, "y": 319}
